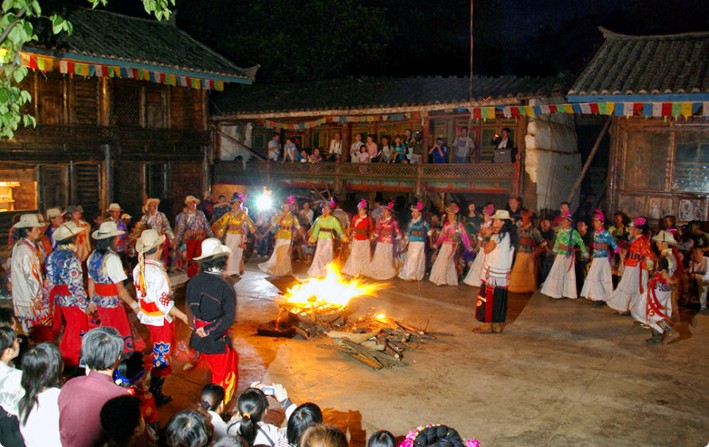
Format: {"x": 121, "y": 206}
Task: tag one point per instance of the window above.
{"x": 690, "y": 172}
{"x": 646, "y": 153}
{"x": 18, "y": 189}
{"x": 50, "y": 99}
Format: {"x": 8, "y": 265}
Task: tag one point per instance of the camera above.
{"x": 268, "y": 390}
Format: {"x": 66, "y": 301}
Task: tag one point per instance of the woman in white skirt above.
{"x": 599, "y": 282}
{"x": 232, "y": 227}
{"x": 285, "y": 224}
{"x": 655, "y": 310}
{"x": 416, "y": 235}
{"x": 561, "y": 281}
{"x": 452, "y": 235}
{"x": 636, "y": 263}
{"x": 474, "y": 275}
{"x": 361, "y": 251}
{"x": 384, "y": 264}
{"x": 323, "y": 232}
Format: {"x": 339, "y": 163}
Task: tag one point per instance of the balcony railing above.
{"x": 502, "y": 178}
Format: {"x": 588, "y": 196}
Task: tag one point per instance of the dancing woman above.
{"x": 452, "y": 235}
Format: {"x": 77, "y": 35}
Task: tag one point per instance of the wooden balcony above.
{"x": 351, "y": 177}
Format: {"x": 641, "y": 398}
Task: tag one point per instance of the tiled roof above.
{"x": 647, "y": 65}
{"x": 106, "y": 35}
{"x": 380, "y": 93}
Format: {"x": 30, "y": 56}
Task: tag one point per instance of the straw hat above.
{"x": 125, "y": 216}
{"x": 666, "y": 237}
{"x": 151, "y": 200}
{"x": 114, "y": 207}
{"x": 213, "y": 248}
{"x": 74, "y": 209}
{"x": 106, "y": 230}
{"x": 148, "y": 240}
{"x": 28, "y": 221}
{"x": 65, "y": 231}
{"x": 502, "y": 215}
{"x": 54, "y": 212}
{"x": 190, "y": 199}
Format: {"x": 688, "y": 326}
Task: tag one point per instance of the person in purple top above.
{"x": 81, "y": 398}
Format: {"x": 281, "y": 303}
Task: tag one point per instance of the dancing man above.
{"x": 286, "y": 224}
{"x": 599, "y": 281}
{"x": 361, "y": 251}
{"x": 234, "y": 225}
{"x": 416, "y": 235}
{"x": 156, "y": 220}
{"x": 383, "y": 264}
{"x": 212, "y": 301}
{"x": 194, "y": 228}
{"x": 491, "y": 306}
{"x": 322, "y": 232}
{"x": 561, "y": 281}
{"x": 638, "y": 260}
{"x": 452, "y": 236}
{"x": 156, "y": 308}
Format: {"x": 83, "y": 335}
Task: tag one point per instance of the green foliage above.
{"x": 16, "y": 30}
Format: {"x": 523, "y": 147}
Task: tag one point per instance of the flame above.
{"x": 331, "y": 291}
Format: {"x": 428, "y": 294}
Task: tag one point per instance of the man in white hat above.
{"x": 194, "y": 228}
{"x": 156, "y": 220}
{"x": 212, "y": 301}
{"x": 114, "y": 213}
{"x": 55, "y": 217}
{"x": 66, "y": 281}
{"x": 156, "y": 308}
{"x": 655, "y": 309}
{"x": 106, "y": 276}
{"x": 31, "y": 307}
{"x": 83, "y": 242}
{"x": 561, "y": 281}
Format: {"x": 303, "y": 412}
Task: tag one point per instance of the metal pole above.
{"x": 589, "y": 160}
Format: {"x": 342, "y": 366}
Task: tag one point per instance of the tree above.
{"x": 17, "y": 28}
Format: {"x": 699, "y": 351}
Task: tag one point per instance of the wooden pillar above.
{"x": 346, "y": 134}
{"x": 426, "y": 134}
{"x": 105, "y": 102}
{"x": 107, "y": 184}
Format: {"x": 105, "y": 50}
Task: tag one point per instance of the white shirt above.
{"x": 157, "y": 291}
{"x": 11, "y": 390}
{"x": 42, "y": 426}
{"x": 499, "y": 261}
{"x": 26, "y": 277}
{"x": 114, "y": 268}
{"x": 220, "y": 427}
{"x": 335, "y": 147}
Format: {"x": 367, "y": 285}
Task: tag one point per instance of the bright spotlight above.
{"x": 264, "y": 202}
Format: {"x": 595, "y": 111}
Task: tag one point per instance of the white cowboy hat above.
{"x": 152, "y": 199}
{"x": 106, "y": 230}
{"x": 65, "y": 231}
{"x": 149, "y": 239}
{"x": 126, "y": 216}
{"x": 666, "y": 237}
{"x": 54, "y": 212}
{"x": 191, "y": 198}
{"x": 213, "y": 248}
{"x": 114, "y": 207}
{"x": 502, "y": 215}
{"x": 28, "y": 221}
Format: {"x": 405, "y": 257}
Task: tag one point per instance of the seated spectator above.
{"x": 230, "y": 441}
{"x": 302, "y": 157}
{"x": 10, "y": 389}
{"x": 315, "y": 157}
{"x": 8, "y": 319}
{"x": 699, "y": 276}
{"x": 321, "y": 435}
{"x": 381, "y": 438}
{"x": 364, "y": 155}
{"x": 355, "y": 147}
{"x": 39, "y": 407}
{"x": 131, "y": 375}
{"x": 81, "y": 398}
{"x": 386, "y": 151}
{"x": 435, "y": 435}
{"x": 399, "y": 154}
{"x": 303, "y": 417}
{"x": 123, "y": 422}
{"x": 439, "y": 151}
{"x": 700, "y": 239}
{"x": 188, "y": 428}
{"x": 248, "y": 422}
{"x": 211, "y": 398}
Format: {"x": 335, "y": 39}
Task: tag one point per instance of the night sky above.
{"x": 428, "y": 37}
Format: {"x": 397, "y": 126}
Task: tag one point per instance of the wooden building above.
{"x": 311, "y": 113}
{"x": 122, "y": 113}
{"x": 659, "y": 151}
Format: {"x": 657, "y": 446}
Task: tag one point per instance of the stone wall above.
{"x": 552, "y": 161}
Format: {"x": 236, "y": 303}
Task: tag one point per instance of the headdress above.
{"x": 362, "y": 204}
{"x": 237, "y": 196}
{"x": 567, "y": 216}
{"x": 452, "y": 208}
{"x": 598, "y": 214}
{"x": 330, "y": 204}
{"x": 639, "y": 222}
{"x": 390, "y": 206}
{"x": 290, "y": 200}
{"x": 489, "y": 210}
{"x": 441, "y": 432}
{"x": 417, "y": 206}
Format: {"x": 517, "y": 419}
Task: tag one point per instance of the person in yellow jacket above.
{"x": 323, "y": 231}
{"x": 233, "y": 227}
{"x": 285, "y": 224}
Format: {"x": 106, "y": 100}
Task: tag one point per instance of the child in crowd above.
{"x": 253, "y": 405}
{"x": 132, "y": 375}
{"x": 363, "y": 155}
{"x": 123, "y": 422}
{"x": 381, "y": 438}
{"x": 315, "y": 157}
{"x": 303, "y": 417}
{"x": 211, "y": 398}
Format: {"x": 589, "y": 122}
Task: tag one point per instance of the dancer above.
{"x": 656, "y": 307}
{"x": 286, "y": 223}
{"x": 106, "y": 276}
{"x": 322, "y": 232}
{"x": 83, "y": 242}
{"x": 156, "y": 308}
{"x": 638, "y": 260}
{"x": 71, "y": 304}
{"x": 474, "y": 275}
{"x": 114, "y": 214}
{"x": 491, "y": 307}
{"x": 194, "y": 227}
{"x": 361, "y": 251}
{"x": 452, "y": 235}
{"x": 599, "y": 282}
{"x": 212, "y": 301}
{"x": 156, "y": 220}
{"x": 233, "y": 226}
{"x": 31, "y": 305}
{"x": 523, "y": 278}
{"x": 384, "y": 263}
{"x": 418, "y": 230}
{"x": 561, "y": 281}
